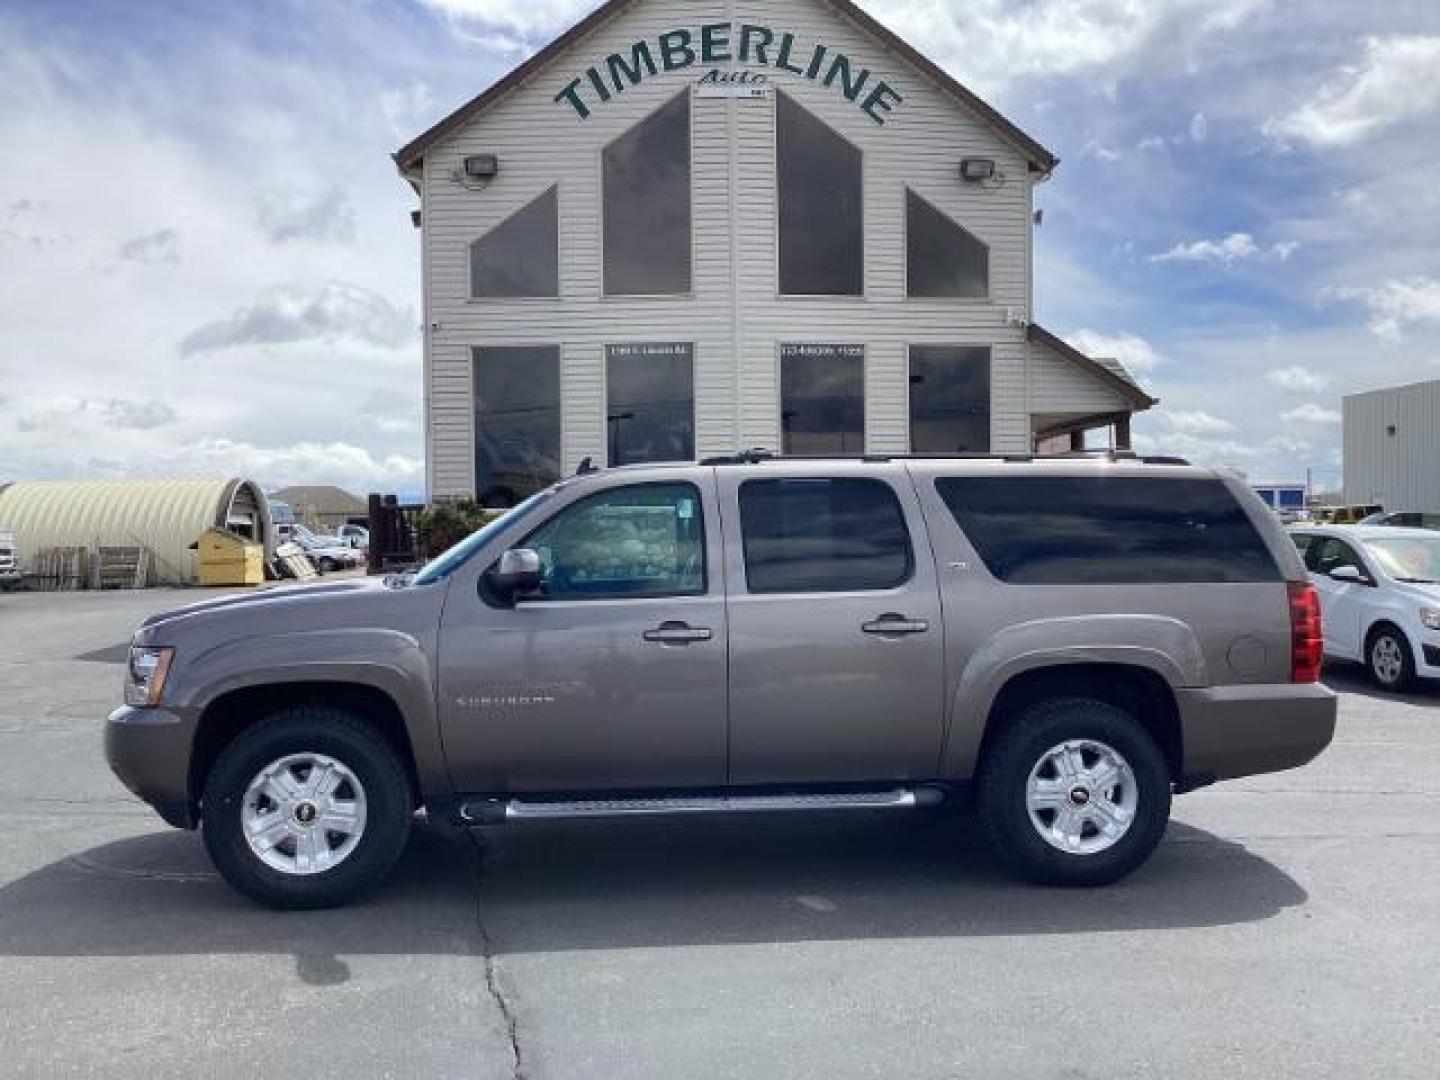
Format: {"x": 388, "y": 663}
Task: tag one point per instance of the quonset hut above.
{"x": 164, "y": 516}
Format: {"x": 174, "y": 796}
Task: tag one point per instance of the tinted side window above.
{"x": 638, "y": 541}
{"x": 1307, "y": 546}
{"x": 1331, "y": 554}
{"x": 822, "y": 535}
{"x": 1102, "y": 530}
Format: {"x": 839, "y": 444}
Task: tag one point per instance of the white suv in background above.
{"x": 1379, "y": 591}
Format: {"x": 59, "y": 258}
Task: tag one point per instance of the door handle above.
{"x": 893, "y": 623}
{"x": 676, "y": 633}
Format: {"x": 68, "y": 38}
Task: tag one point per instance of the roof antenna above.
{"x": 585, "y": 466}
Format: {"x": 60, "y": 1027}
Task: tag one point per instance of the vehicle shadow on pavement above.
{"x": 598, "y": 885}
{"x": 1351, "y": 679}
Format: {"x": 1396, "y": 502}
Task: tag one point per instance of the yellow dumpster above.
{"x": 222, "y": 558}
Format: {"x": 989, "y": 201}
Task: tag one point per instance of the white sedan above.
{"x": 1379, "y": 592}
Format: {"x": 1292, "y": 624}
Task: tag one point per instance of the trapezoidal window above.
{"x": 819, "y": 190}
{"x": 521, "y": 255}
{"x": 942, "y": 259}
{"x": 646, "y": 202}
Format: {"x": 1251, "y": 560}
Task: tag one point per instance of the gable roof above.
{"x": 1110, "y": 372}
{"x": 412, "y": 153}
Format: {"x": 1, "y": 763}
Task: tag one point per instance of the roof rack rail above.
{"x": 757, "y": 455}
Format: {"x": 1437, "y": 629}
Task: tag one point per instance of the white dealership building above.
{"x": 687, "y": 227}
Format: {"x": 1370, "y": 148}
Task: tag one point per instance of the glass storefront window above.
{"x": 517, "y": 421}
{"x": 646, "y": 175}
{"x": 942, "y": 259}
{"x": 819, "y": 193}
{"x": 650, "y": 402}
{"x": 822, "y": 399}
{"x": 521, "y": 255}
{"x": 949, "y": 399}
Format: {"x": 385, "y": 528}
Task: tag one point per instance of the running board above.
{"x": 495, "y": 811}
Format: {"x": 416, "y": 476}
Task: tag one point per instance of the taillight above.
{"x": 1307, "y": 643}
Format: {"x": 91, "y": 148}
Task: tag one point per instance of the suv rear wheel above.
{"x": 1388, "y": 659}
{"x": 307, "y": 809}
{"x": 1073, "y": 792}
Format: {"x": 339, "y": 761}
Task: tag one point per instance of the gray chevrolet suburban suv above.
{"x": 1063, "y": 642}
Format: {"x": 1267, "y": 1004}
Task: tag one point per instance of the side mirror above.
{"x": 1350, "y": 574}
{"x": 517, "y": 572}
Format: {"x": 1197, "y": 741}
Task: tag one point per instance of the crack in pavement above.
{"x": 492, "y": 980}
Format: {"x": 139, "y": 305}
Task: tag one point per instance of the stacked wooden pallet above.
{"x": 119, "y": 567}
{"x": 59, "y": 568}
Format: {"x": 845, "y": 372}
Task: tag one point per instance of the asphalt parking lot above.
{"x": 1288, "y": 926}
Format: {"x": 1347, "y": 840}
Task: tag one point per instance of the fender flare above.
{"x": 1156, "y": 643}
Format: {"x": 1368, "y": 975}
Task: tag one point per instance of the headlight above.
{"x": 1430, "y": 617}
{"x": 145, "y": 675}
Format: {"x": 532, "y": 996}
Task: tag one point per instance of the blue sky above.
{"x": 1246, "y": 213}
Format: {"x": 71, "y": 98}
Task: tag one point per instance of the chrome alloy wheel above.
{"x": 1081, "y": 796}
{"x": 1386, "y": 660}
{"x": 303, "y": 814}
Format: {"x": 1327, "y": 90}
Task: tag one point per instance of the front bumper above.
{"x": 1232, "y": 731}
{"x": 149, "y": 750}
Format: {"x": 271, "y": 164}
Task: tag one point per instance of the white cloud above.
{"x": 1137, "y": 354}
{"x": 1197, "y": 422}
{"x": 1397, "y": 304}
{"x": 292, "y": 215}
{"x": 1226, "y": 251}
{"x": 1295, "y": 377}
{"x": 286, "y": 314}
{"x": 506, "y": 25}
{"x": 1310, "y": 413}
{"x": 1199, "y": 127}
{"x": 341, "y": 463}
{"x": 406, "y": 108}
{"x": 989, "y": 44}
{"x": 161, "y": 246}
{"x": 1395, "y": 81}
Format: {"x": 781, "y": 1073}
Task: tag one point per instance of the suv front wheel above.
{"x": 307, "y": 809}
{"x": 1073, "y": 792}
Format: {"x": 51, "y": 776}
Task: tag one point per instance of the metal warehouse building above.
{"x": 1392, "y": 447}
{"x": 164, "y": 517}
{"x": 690, "y": 226}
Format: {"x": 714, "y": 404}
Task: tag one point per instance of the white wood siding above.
{"x": 734, "y": 315}
{"x": 1058, "y": 386}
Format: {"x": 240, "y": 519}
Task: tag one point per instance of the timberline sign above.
{"x": 726, "y": 43}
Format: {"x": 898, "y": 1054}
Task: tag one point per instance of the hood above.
{"x": 280, "y": 600}
{"x": 1426, "y": 594}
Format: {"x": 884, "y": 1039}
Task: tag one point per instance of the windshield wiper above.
{"x": 1419, "y": 580}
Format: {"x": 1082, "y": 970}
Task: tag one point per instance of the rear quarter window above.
{"x": 1107, "y": 530}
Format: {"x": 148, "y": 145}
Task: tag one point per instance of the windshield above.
{"x": 446, "y": 562}
{"x": 1408, "y": 558}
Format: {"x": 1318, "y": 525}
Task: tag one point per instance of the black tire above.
{"x": 319, "y": 730}
{"x": 1001, "y": 784}
{"x": 1380, "y": 672}
{"x": 327, "y": 565}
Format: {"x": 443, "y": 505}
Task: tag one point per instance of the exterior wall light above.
{"x": 482, "y": 166}
{"x": 974, "y": 170}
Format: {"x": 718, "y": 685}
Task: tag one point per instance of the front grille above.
{"x": 1432, "y": 655}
